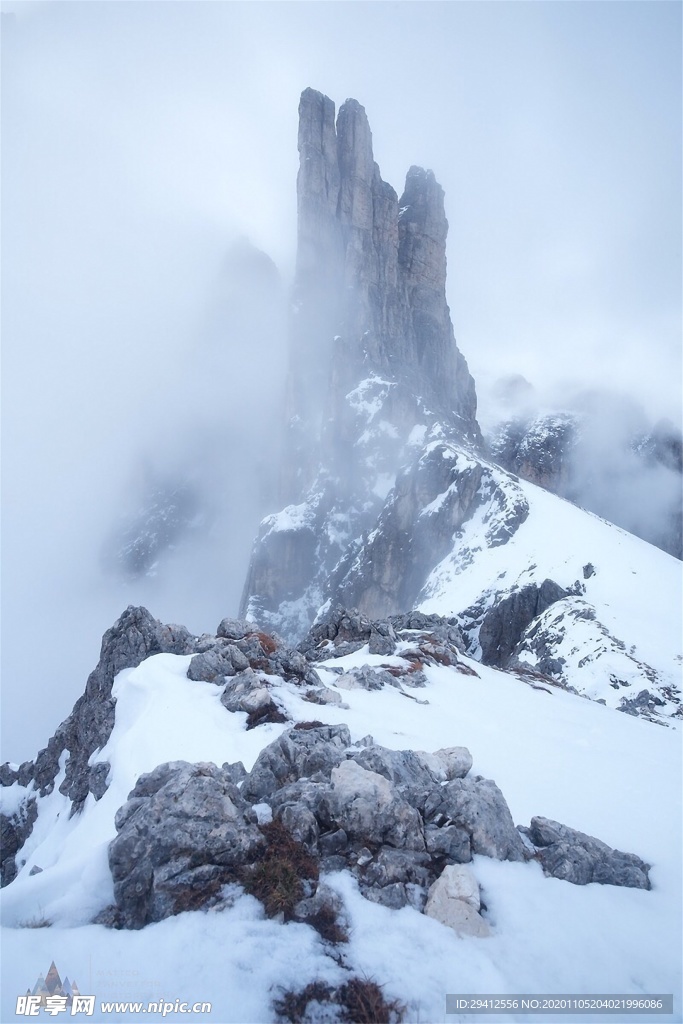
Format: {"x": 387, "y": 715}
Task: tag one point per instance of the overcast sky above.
{"x": 140, "y": 139}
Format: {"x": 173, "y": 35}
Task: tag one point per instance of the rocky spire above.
{"x": 373, "y": 361}
{"x": 370, "y": 284}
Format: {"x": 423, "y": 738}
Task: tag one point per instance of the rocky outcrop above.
{"x": 136, "y": 635}
{"x": 340, "y": 631}
{"x": 539, "y": 451}
{"x": 504, "y": 624}
{"x": 15, "y": 829}
{"x": 403, "y": 822}
{"x": 370, "y": 277}
{"x": 239, "y": 658}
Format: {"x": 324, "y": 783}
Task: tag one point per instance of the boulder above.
{"x": 210, "y": 667}
{"x": 182, "y": 834}
{"x": 414, "y": 774}
{"x": 235, "y": 629}
{"x": 325, "y": 695}
{"x": 298, "y": 753}
{"x": 478, "y": 806}
{"x": 368, "y": 807}
{"x": 248, "y": 691}
{"x": 454, "y": 901}
{"x": 366, "y": 677}
{"x": 575, "y": 857}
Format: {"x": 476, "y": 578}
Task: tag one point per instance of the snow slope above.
{"x": 632, "y": 590}
{"x": 552, "y": 754}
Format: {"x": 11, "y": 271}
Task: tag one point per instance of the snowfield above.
{"x": 553, "y": 754}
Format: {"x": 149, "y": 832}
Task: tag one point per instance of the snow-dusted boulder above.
{"x": 214, "y": 665}
{"x": 181, "y": 834}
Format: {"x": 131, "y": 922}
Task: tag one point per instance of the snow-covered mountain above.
{"x": 383, "y": 783}
{"x": 395, "y": 505}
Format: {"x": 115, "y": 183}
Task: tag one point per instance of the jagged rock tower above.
{"x": 374, "y": 368}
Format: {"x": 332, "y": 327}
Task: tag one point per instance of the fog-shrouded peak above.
{"x": 373, "y": 362}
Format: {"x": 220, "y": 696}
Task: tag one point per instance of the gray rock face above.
{"x": 371, "y": 269}
{"x": 415, "y": 776}
{"x": 539, "y": 451}
{"x": 409, "y": 539}
{"x": 181, "y": 835}
{"x": 504, "y": 624}
{"x": 478, "y": 806}
{"x": 575, "y": 857}
{"x": 298, "y": 753}
{"x": 14, "y": 831}
{"x": 366, "y": 806}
